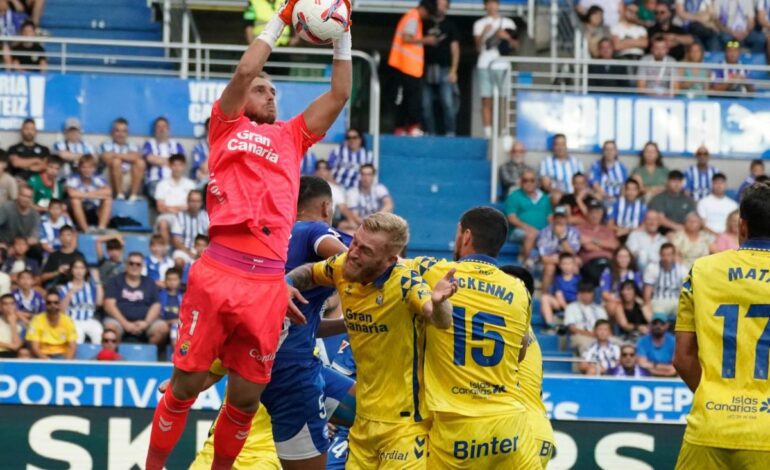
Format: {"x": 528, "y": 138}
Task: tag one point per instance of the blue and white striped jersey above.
{"x": 345, "y": 165}
{"x": 82, "y": 307}
{"x": 610, "y": 179}
{"x": 81, "y": 147}
{"x": 155, "y": 268}
{"x": 31, "y": 303}
{"x": 77, "y": 183}
{"x": 188, "y": 226}
{"x": 366, "y": 203}
{"x": 307, "y": 167}
{"x": 160, "y": 149}
{"x": 561, "y": 171}
{"x": 628, "y": 214}
{"x": 199, "y": 155}
{"x": 49, "y": 230}
{"x": 114, "y": 147}
{"x": 169, "y": 304}
{"x": 698, "y": 183}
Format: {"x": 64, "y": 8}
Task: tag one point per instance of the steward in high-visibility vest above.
{"x": 256, "y": 16}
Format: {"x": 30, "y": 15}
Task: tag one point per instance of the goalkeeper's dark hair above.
{"x": 489, "y": 228}
{"x": 755, "y": 210}
{"x": 312, "y": 188}
{"x": 521, "y": 273}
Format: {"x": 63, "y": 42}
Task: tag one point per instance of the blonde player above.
{"x": 385, "y": 305}
{"x": 471, "y": 368}
{"x": 722, "y": 344}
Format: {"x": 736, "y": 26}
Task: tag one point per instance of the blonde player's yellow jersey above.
{"x": 725, "y": 300}
{"x": 471, "y": 367}
{"x": 530, "y": 390}
{"x": 387, "y": 337}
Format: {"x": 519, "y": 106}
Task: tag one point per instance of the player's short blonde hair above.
{"x": 392, "y": 225}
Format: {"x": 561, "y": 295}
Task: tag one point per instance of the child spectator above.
{"x": 630, "y": 313}
{"x": 558, "y": 237}
{"x": 90, "y": 196}
{"x": 18, "y": 260}
{"x": 628, "y": 366}
{"x": 189, "y": 224}
{"x": 564, "y": 290}
{"x": 157, "y": 151}
{"x": 72, "y": 147}
{"x": 80, "y": 299}
{"x": 602, "y": 355}
{"x": 157, "y": 262}
{"x": 628, "y": 211}
{"x": 181, "y": 262}
{"x": 622, "y": 268}
{"x": 171, "y": 196}
{"x": 29, "y": 302}
{"x": 45, "y": 185}
{"x": 124, "y": 162}
{"x": 170, "y": 300}
{"x": 57, "y": 266}
{"x": 52, "y": 335}
{"x": 9, "y": 188}
{"x": 51, "y": 224}
{"x": 112, "y": 264}
{"x": 756, "y": 170}
{"x": 581, "y": 316}
{"x": 110, "y": 344}
{"x": 199, "y": 166}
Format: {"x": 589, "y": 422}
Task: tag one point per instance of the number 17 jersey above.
{"x": 725, "y": 300}
{"x": 471, "y": 368}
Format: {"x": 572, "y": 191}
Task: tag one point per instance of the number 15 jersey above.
{"x": 471, "y": 368}
{"x": 725, "y": 300}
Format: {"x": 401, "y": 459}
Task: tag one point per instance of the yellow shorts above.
{"x": 695, "y": 457}
{"x": 545, "y": 443}
{"x": 485, "y": 442}
{"x": 258, "y": 451}
{"x": 378, "y": 445}
{"x": 545, "y": 449}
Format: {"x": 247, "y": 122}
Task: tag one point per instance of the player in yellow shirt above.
{"x": 471, "y": 368}
{"x": 52, "y": 335}
{"x": 722, "y": 344}
{"x": 385, "y": 305}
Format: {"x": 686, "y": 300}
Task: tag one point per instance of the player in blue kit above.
{"x": 343, "y": 363}
{"x": 303, "y": 394}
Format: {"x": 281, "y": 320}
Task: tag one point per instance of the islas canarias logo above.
{"x": 765, "y": 407}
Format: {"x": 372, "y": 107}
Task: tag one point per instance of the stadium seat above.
{"x": 87, "y": 351}
{"x": 552, "y": 367}
{"x": 137, "y": 211}
{"x": 139, "y": 352}
{"x": 732, "y": 194}
{"x": 548, "y": 344}
{"x": 140, "y": 243}
{"x": 87, "y": 246}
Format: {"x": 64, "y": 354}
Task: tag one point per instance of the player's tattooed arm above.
{"x": 301, "y": 277}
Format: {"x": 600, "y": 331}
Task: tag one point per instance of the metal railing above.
{"x": 583, "y": 76}
{"x": 572, "y": 360}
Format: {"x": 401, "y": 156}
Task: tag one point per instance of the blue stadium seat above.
{"x": 732, "y": 194}
{"x": 87, "y": 246}
{"x": 138, "y": 211}
{"x": 87, "y": 351}
{"x": 139, "y": 352}
{"x": 549, "y": 344}
{"x": 557, "y": 367}
{"x": 140, "y": 243}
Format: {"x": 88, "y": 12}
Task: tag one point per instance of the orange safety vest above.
{"x": 408, "y": 58}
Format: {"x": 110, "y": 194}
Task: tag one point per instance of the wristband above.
{"x": 343, "y": 47}
{"x": 272, "y": 31}
{"x": 289, "y": 281}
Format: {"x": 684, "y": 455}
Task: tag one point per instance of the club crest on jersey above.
{"x": 184, "y": 348}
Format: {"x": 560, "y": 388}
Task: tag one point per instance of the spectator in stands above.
{"x": 645, "y": 242}
{"x": 19, "y": 219}
{"x": 656, "y": 70}
{"x": 735, "y": 20}
{"x": 594, "y": 29}
{"x": 756, "y": 169}
{"x": 622, "y": 268}
{"x": 5, "y": 282}
{"x": 81, "y": 296}
{"x": 729, "y": 239}
{"x": 29, "y": 8}
{"x": 29, "y": 302}
{"x": 673, "y": 204}
{"x": 131, "y": 303}
{"x": 628, "y": 211}
{"x": 510, "y": 172}
{"x": 90, "y": 197}
{"x": 608, "y": 174}
{"x": 733, "y": 76}
{"x": 577, "y": 200}
{"x": 189, "y": 224}
{"x": 46, "y": 184}
{"x": 346, "y": 160}
{"x": 72, "y": 147}
{"x": 51, "y": 224}
{"x": 602, "y": 355}
{"x": 158, "y": 261}
{"x": 715, "y": 207}
{"x": 580, "y": 318}
{"x": 57, "y": 268}
{"x": 763, "y": 23}
{"x": 256, "y": 16}
{"x": 692, "y": 241}
{"x": 655, "y": 351}
{"x": 492, "y": 34}
{"x": 199, "y": 166}
{"x": 171, "y": 196}
{"x": 53, "y": 335}
{"x": 9, "y": 26}
{"x": 27, "y": 157}
{"x": 309, "y": 160}
{"x": 611, "y": 10}
{"x": 29, "y": 56}
{"x": 628, "y": 366}
{"x": 630, "y": 313}
{"x": 157, "y": 151}
{"x": 18, "y": 260}
{"x": 663, "y": 281}
{"x": 440, "y": 79}
{"x": 676, "y": 37}
{"x": 124, "y": 161}
{"x": 697, "y": 17}
{"x": 110, "y": 344}
{"x": 556, "y": 170}
{"x": 597, "y": 242}
{"x": 527, "y": 209}
{"x": 323, "y": 170}
{"x": 367, "y": 198}
{"x": 406, "y": 62}
{"x": 616, "y": 73}
{"x": 651, "y": 172}
{"x": 563, "y": 291}
{"x": 9, "y": 188}
{"x": 10, "y": 339}
{"x": 558, "y": 237}
{"x": 112, "y": 264}
{"x": 628, "y": 38}
{"x": 170, "y": 299}
{"x": 694, "y": 79}
{"x": 699, "y": 177}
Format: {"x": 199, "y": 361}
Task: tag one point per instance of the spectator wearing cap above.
{"x": 651, "y": 172}
{"x": 46, "y": 184}
{"x": 527, "y": 210}
{"x": 698, "y": 177}
{"x": 715, "y": 207}
{"x": 627, "y": 366}
{"x": 663, "y": 281}
{"x": 199, "y": 164}
{"x": 581, "y": 316}
{"x": 52, "y": 335}
{"x": 558, "y": 237}
{"x": 657, "y": 72}
{"x": 367, "y": 198}
{"x": 110, "y": 345}
{"x": 645, "y": 242}
{"x": 557, "y": 169}
{"x": 171, "y": 196}
{"x": 124, "y": 161}
{"x": 655, "y": 351}
{"x": 19, "y": 219}
{"x": 732, "y": 76}
{"x": 677, "y": 37}
{"x": 608, "y": 174}
{"x": 28, "y": 55}
{"x": 597, "y": 243}
{"x": 756, "y": 169}
{"x": 72, "y": 147}
{"x": 90, "y": 196}
{"x": 628, "y": 211}
{"x": 603, "y": 355}
{"x": 510, "y": 172}
{"x": 735, "y": 21}
{"x": 27, "y": 157}
{"x": 9, "y": 187}
{"x": 673, "y": 204}
{"x": 157, "y": 151}
{"x": 346, "y": 160}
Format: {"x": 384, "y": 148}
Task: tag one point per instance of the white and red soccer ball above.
{"x": 320, "y": 21}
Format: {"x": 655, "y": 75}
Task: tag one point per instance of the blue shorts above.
{"x": 338, "y": 451}
{"x": 300, "y": 398}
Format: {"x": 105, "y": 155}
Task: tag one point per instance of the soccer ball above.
{"x": 320, "y": 21}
